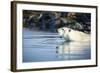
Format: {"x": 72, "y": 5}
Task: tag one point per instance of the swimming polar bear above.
{"x": 73, "y": 35}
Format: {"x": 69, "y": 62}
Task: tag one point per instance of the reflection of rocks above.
{"x": 73, "y": 49}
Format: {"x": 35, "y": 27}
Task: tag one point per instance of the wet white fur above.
{"x": 73, "y": 35}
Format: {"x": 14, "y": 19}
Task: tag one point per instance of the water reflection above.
{"x": 73, "y": 50}
{"x": 41, "y": 46}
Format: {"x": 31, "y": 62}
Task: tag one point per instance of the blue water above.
{"x": 41, "y": 46}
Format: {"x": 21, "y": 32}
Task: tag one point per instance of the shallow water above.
{"x": 46, "y": 46}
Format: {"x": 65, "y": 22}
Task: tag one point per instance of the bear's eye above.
{"x": 69, "y": 30}
{"x": 62, "y": 29}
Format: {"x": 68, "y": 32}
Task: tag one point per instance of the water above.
{"x": 41, "y": 46}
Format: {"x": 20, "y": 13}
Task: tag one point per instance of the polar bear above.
{"x": 73, "y": 35}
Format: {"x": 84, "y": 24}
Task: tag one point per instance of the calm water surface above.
{"x": 46, "y": 46}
